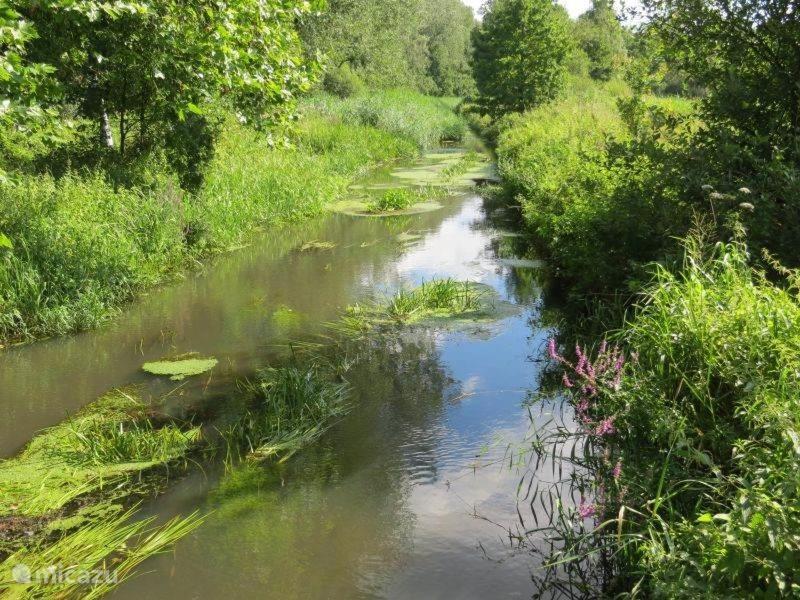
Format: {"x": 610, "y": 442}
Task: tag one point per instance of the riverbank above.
{"x": 79, "y": 247}
{"x": 683, "y": 377}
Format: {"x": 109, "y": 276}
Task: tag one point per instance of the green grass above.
{"x": 397, "y": 199}
{"x": 290, "y": 408}
{"x": 81, "y": 248}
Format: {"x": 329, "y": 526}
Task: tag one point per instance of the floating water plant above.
{"x": 316, "y": 245}
{"x": 180, "y": 368}
{"x": 61, "y": 499}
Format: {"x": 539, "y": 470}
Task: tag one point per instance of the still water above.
{"x": 406, "y": 497}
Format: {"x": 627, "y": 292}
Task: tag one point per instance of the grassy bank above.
{"x": 690, "y": 415}
{"x": 597, "y": 185}
{"x": 687, "y": 485}
{"x": 80, "y": 247}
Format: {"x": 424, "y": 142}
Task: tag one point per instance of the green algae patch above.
{"x": 180, "y": 368}
{"x": 361, "y": 208}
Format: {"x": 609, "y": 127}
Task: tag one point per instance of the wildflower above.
{"x": 745, "y": 191}
{"x": 551, "y": 348}
{"x": 603, "y": 347}
{"x": 565, "y": 380}
{"x": 618, "y": 470}
{"x": 586, "y": 510}
{"x": 606, "y": 427}
{"x": 580, "y": 368}
{"x": 708, "y": 188}
{"x": 747, "y": 206}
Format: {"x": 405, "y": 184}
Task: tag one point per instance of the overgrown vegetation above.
{"x": 82, "y": 246}
{"x": 690, "y": 426}
{"x": 682, "y": 467}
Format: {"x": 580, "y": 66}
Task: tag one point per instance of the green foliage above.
{"x": 156, "y": 69}
{"x": 343, "y": 82}
{"x": 707, "y": 430}
{"x": 419, "y": 44}
{"x": 752, "y": 79}
{"x": 520, "y": 50}
{"x": 602, "y": 38}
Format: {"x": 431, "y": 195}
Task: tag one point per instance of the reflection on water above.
{"x": 407, "y": 496}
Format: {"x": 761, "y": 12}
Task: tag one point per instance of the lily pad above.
{"x": 180, "y": 368}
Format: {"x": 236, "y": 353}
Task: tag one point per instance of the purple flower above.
{"x": 565, "y": 380}
{"x": 586, "y": 510}
{"x": 618, "y": 470}
{"x": 551, "y": 348}
{"x": 603, "y": 347}
{"x": 606, "y": 427}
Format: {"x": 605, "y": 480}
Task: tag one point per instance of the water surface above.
{"x": 406, "y": 497}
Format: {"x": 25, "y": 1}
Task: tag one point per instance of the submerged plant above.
{"x": 292, "y": 406}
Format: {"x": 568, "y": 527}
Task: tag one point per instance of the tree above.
{"x": 601, "y": 37}
{"x": 420, "y": 44}
{"x": 447, "y": 28}
{"x": 746, "y": 54}
{"x": 519, "y": 54}
{"x": 154, "y": 68}
{"x": 379, "y": 40}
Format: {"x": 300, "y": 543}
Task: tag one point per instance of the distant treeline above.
{"x": 419, "y": 44}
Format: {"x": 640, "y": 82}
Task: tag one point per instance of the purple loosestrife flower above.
{"x": 606, "y": 427}
{"x": 618, "y": 470}
{"x": 551, "y": 349}
{"x": 586, "y": 510}
{"x": 565, "y": 380}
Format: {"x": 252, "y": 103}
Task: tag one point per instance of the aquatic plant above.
{"x": 396, "y": 199}
{"x": 61, "y": 499}
{"x": 181, "y": 367}
{"x": 290, "y": 408}
{"x": 437, "y": 296}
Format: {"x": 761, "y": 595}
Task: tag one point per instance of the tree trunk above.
{"x": 105, "y": 126}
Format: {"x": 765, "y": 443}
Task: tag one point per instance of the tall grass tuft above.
{"x": 292, "y": 406}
